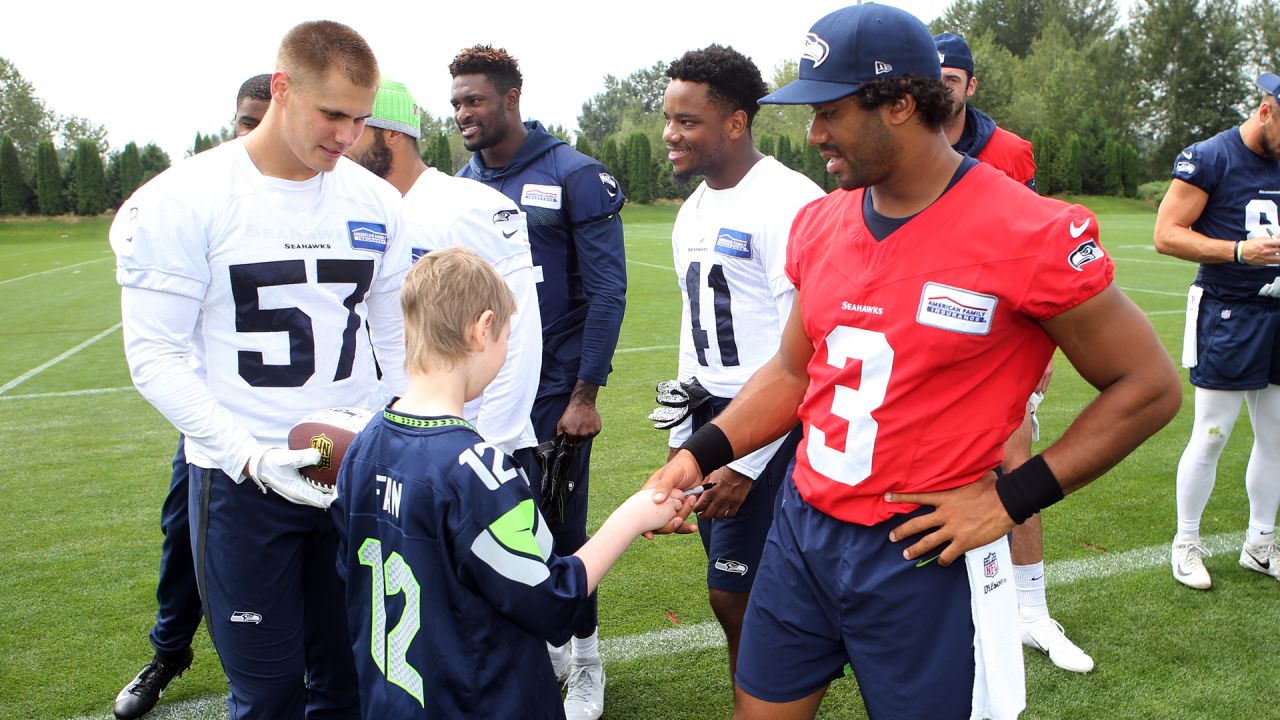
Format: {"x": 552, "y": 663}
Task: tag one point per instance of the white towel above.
{"x": 1190, "y": 353}
{"x": 999, "y": 683}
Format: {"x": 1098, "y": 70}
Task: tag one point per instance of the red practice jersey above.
{"x": 927, "y": 344}
{"x": 1009, "y": 154}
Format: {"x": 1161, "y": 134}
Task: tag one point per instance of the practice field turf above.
{"x": 84, "y": 465}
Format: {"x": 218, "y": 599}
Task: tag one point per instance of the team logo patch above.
{"x": 1226, "y": 314}
{"x": 368, "y": 235}
{"x": 942, "y": 59}
{"x": 733, "y": 243}
{"x": 507, "y": 222}
{"x": 732, "y": 566}
{"x": 1085, "y": 253}
{"x": 245, "y": 616}
{"x": 883, "y": 67}
{"x": 1184, "y": 168}
{"x": 815, "y": 49}
{"x": 956, "y": 310}
{"x": 610, "y": 185}
{"x": 989, "y": 565}
{"x": 545, "y": 196}
{"x": 416, "y": 253}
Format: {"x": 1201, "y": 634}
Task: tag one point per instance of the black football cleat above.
{"x": 144, "y": 691}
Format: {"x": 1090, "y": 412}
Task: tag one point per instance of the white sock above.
{"x": 1029, "y": 582}
{"x": 1215, "y": 416}
{"x": 586, "y": 651}
{"x": 1262, "y": 476}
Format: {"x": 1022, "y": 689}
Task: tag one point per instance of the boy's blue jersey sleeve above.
{"x": 594, "y": 203}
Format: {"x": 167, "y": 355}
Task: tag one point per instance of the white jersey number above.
{"x": 1260, "y": 219}
{"x": 853, "y": 465}
{"x": 390, "y": 652}
{"x": 248, "y": 279}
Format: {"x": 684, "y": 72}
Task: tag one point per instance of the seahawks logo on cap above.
{"x": 815, "y": 49}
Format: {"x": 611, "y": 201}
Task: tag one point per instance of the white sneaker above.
{"x": 585, "y": 700}
{"x": 1188, "y": 564}
{"x": 1263, "y": 558}
{"x": 561, "y": 657}
{"x": 1046, "y": 635}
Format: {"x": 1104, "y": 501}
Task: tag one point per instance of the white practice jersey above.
{"x": 443, "y": 211}
{"x": 730, "y": 251}
{"x": 245, "y": 298}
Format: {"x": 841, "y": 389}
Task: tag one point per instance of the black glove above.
{"x": 555, "y": 456}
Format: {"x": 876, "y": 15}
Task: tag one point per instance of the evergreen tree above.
{"x": 14, "y": 191}
{"x": 1113, "y": 168}
{"x": 1130, "y": 170}
{"x": 767, "y": 145}
{"x": 130, "y": 170}
{"x": 612, "y": 161}
{"x": 49, "y": 190}
{"x": 816, "y": 168}
{"x": 583, "y": 145}
{"x": 640, "y": 168}
{"x": 1044, "y": 145}
{"x": 91, "y": 180}
{"x": 1072, "y": 166}
{"x": 23, "y": 116}
{"x": 154, "y": 161}
{"x": 784, "y": 152}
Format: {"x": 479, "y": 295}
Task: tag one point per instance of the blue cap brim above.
{"x": 1269, "y": 82}
{"x": 809, "y": 92}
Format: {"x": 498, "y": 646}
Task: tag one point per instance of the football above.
{"x": 331, "y": 432}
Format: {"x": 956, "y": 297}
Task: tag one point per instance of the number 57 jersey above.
{"x": 927, "y": 343}
{"x": 286, "y": 275}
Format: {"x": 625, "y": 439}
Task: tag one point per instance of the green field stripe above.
{"x": 53, "y": 270}
{"x": 48, "y": 364}
{"x": 707, "y": 635}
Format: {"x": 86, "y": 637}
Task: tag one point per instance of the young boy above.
{"x": 452, "y": 590}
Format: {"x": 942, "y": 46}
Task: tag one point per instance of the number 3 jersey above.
{"x": 452, "y": 590}
{"x": 286, "y": 275}
{"x": 730, "y": 251}
{"x": 927, "y": 343}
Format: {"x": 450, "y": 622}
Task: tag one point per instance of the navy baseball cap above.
{"x": 1270, "y": 83}
{"x": 953, "y": 52}
{"x": 854, "y": 46}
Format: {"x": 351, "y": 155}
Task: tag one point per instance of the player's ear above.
{"x": 279, "y": 86}
{"x": 736, "y": 124}
{"x": 972, "y": 87}
{"x": 511, "y": 99}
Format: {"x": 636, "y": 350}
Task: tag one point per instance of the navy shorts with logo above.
{"x": 1237, "y": 344}
{"x": 831, "y": 592}
{"x": 734, "y": 544}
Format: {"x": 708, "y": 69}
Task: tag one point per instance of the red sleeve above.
{"x": 1072, "y": 266}
{"x": 1011, "y": 155}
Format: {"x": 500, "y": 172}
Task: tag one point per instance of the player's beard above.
{"x": 702, "y": 164}
{"x": 875, "y": 150}
{"x": 492, "y": 131}
{"x": 377, "y": 159}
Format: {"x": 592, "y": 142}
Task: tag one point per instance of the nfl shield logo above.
{"x": 989, "y": 565}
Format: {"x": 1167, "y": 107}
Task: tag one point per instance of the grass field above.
{"x": 86, "y": 465}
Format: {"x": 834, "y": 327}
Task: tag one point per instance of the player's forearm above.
{"x": 1187, "y": 244}
{"x": 765, "y": 409}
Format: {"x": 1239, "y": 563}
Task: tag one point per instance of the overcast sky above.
{"x": 151, "y": 72}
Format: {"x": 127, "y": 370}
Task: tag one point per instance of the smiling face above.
{"x": 480, "y": 111}
{"x": 323, "y": 116}
{"x": 695, "y": 131}
{"x": 856, "y": 143}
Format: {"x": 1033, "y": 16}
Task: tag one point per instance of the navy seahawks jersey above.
{"x": 575, "y": 233}
{"x": 452, "y": 590}
{"x": 1244, "y": 195}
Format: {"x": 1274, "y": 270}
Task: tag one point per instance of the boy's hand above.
{"x": 645, "y": 514}
{"x": 680, "y": 473}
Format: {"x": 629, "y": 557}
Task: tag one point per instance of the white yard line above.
{"x": 45, "y": 366}
{"x": 623, "y": 351}
{"x": 704, "y": 635}
{"x": 68, "y": 393}
{"x": 651, "y": 265}
{"x": 1182, "y": 294}
{"x": 53, "y": 270}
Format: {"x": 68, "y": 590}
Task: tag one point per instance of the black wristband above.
{"x": 710, "y": 448}
{"x": 1028, "y": 490}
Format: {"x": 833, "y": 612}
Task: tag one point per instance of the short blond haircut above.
{"x": 311, "y": 48}
{"x": 443, "y": 295}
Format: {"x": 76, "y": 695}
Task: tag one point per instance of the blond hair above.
{"x": 443, "y": 295}
{"x": 311, "y": 48}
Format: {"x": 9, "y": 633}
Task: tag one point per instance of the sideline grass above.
{"x": 83, "y": 477}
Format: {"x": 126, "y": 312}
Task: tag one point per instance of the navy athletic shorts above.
{"x": 1237, "y": 344}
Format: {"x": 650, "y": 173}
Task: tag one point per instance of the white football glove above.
{"x": 277, "y": 469}
{"x": 1271, "y": 289}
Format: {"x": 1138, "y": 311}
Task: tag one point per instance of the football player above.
{"x": 178, "y": 597}
{"x": 911, "y": 348}
{"x": 257, "y": 279}
{"x": 973, "y": 133}
{"x": 442, "y": 211}
{"x": 729, "y": 244}
{"x": 1222, "y": 211}
{"x": 572, "y": 205}
{"x": 453, "y": 590}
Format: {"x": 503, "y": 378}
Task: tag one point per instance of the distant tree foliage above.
{"x": 14, "y": 192}
{"x": 23, "y": 116}
{"x": 49, "y": 191}
{"x": 641, "y": 171}
{"x": 154, "y": 161}
{"x": 90, "y": 179}
{"x": 631, "y": 98}
{"x": 583, "y": 145}
{"x": 202, "y": 143}
{"x": 124, "y": 174}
